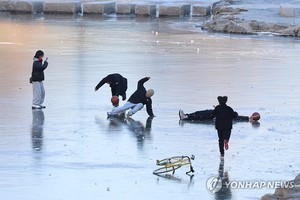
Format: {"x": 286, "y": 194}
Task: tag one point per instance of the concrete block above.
{"x": 287, "y": 10}
{"x": 26, "y": 6}
{"x": 145, "y": 9}
{"x": 4, "y": 5}
{"x": 104, "y": 7}
{"x": 174, "y": 9}
{"x": 125, "y": 8}
{"x": 72, "y": 7}
{"x": 201, "y": 10}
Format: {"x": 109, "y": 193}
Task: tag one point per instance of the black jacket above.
{"x": 117, "y": 83}
{"x": 38, "y": 70}
{"x": 224, "y": 116}
{"x": 139, "y": 96}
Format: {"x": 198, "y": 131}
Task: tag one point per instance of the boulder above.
{"x": 104, "y": 7}
{"x": 288, "y": 193}
{"x": 242, "y": 28}
{"x": 175, "y": 9}
{"x": 290, "y": 31}
{"x": 4, "y": 5}
{"x": 201, "y": 9}
{"x": 125, "y": 8}
{"x": 26, "y": 6}
{"x": 145, "y": 9}
{"x": 287, "y": 10}
{"x": 72, "y": 7}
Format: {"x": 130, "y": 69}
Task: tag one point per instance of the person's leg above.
{"x": 42, "y": 93}
{"x": 123, "y": 108}
{"x": 201, "y": 115}
{"x": 136, "y": 108}
{"x": 36, "y": 93}
{"x": 221, "y": 142}
{"x": 227, "y": 134}
{"x": 195, "y": 116}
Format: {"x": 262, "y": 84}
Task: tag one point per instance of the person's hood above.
{"x": 35, "y": 59}
{"x": 222, "y": 100}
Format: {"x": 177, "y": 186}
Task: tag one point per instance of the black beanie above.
{"x": 39, "y": 53}
{"x": 222, "y": 100}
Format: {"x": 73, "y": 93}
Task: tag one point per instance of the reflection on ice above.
{"x": 38, "y": 119}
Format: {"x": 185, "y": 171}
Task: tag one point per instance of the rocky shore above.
{"x": 285, "y": 193}
{"x": 255, "y": 17}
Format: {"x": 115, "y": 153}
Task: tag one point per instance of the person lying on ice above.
{"x": 204, "y": 115}
{"x": 117, "y": 83}
{"x": 137, "y": 101}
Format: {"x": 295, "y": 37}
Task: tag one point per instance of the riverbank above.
{"x": 280, "y": 18}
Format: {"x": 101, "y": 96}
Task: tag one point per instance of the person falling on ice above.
{"x": 137, "y": 101}
{"x": 224, "y": 116}
{"x": 206, "y": 115}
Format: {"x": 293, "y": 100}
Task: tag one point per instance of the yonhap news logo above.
{"x": 215, "y": 184}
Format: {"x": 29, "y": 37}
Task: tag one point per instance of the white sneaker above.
{"x": 129, "y": 114}
{"x": 36, "y": 107}
{"x": 182, "y": 115}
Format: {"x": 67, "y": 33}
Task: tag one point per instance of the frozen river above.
{"x": 71, "y": 151}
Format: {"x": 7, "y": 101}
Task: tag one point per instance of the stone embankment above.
{"x": 85, "y": 7}
{"x": 255, "y": 17}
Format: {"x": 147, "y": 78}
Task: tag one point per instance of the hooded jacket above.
{"x": 38, "y": 70}
{"x": 139, "y": 96}
{"x": 224, "y": 116}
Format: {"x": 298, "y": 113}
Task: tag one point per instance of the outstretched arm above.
{"x": 101, "y": 83}
{"x": 149, "y": 108}
{"x": 142, "y": 81}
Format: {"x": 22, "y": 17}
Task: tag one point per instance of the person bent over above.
{"x": 137, "y": 101}
{"x": 117, "y": 83}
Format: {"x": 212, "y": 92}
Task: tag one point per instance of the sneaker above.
{"x": 226, "y": 144}
{"x": 181, "y": 114}
{"x": 36, "y": 107}
{"x": 129, "y": 114}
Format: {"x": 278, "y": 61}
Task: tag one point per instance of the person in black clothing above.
{"x": 223, "y": 123}
{"x": 137, "y": 101}
{"x": 205, "y": 115}
{"x": 117, "y": 83}
{"x": 37, "y": 78}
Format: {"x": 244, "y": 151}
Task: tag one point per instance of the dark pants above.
{"x": 223, "y": 135}
{"x": 201, "y": 115}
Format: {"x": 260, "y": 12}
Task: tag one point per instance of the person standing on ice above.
{"x": 37, "y": 78}
{"x": 223, "y": 123}
{"x": 117, "y": 83}
{"x": 137, "y": 101}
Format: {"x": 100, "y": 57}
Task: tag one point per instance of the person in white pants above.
{"x": 137, "y": 101}
{"x": 37, "y": 78}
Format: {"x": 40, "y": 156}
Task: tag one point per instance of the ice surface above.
{"x": 71, "y": 151}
